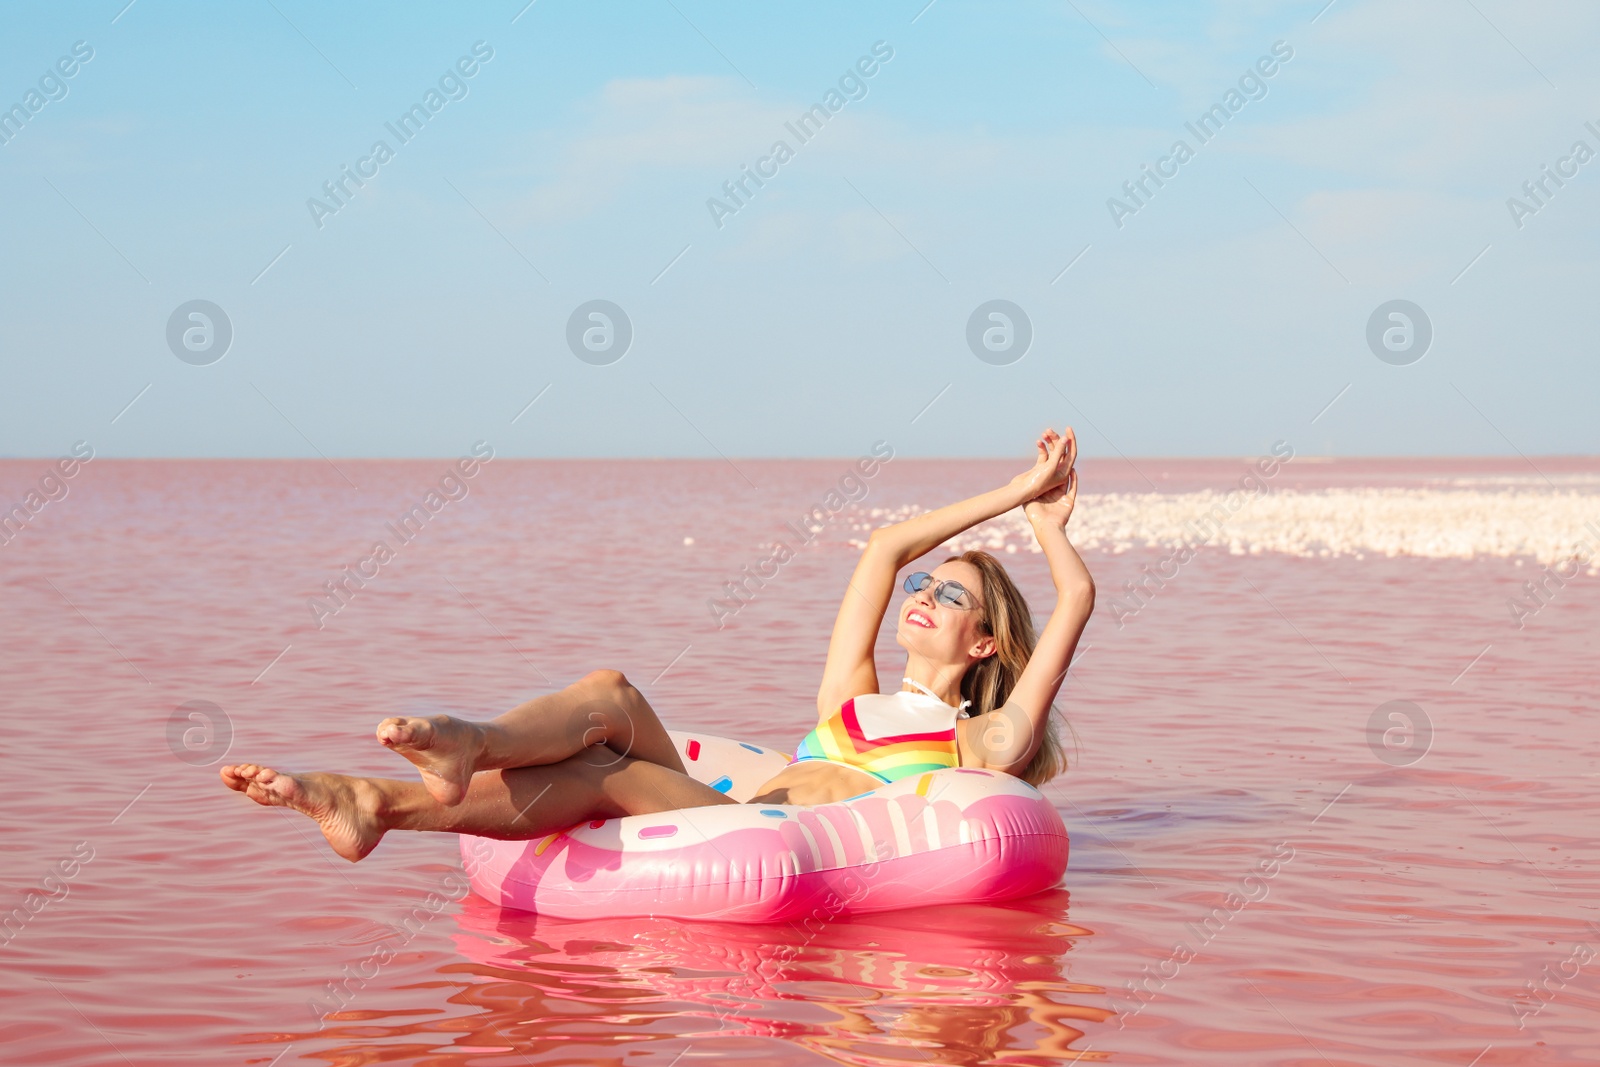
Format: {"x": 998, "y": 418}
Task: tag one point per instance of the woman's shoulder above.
{"x": 839, "y": 708}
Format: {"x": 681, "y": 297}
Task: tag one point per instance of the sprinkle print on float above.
{"x": 953, "y": 836}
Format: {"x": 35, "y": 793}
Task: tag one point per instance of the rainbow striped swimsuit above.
{"x": 888, "y": 735}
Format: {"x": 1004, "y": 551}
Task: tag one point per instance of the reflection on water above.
{"x": 979, "y": 984}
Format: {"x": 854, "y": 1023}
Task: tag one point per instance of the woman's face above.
{"x": 940, "y": 632}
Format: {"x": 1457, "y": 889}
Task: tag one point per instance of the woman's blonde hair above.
{"x": 1003, "y": 614}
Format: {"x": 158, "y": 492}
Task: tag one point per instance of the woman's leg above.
{"x": 601, "y": 708}
{"x": 354, "y": 813}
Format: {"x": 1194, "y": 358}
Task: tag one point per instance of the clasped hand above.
{"x": 1050, "y": 488}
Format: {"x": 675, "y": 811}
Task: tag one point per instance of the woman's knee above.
{"x": 605, "y": 682}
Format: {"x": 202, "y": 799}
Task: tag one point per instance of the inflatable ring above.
{"x": 954, "y": 836}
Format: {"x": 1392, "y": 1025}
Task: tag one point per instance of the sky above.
{"x": 574, "y": 153}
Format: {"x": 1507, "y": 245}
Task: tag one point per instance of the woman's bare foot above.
{"x": 345, "y": 808}
{"x": 444, "y": 748}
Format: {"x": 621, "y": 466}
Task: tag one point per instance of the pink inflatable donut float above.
{"x": 954, "y": 836}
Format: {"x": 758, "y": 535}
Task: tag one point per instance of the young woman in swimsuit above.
{"x": 977, "y": 692}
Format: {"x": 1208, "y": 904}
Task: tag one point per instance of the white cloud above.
{"x": 709, "y": 128}
{"x": 1391, "y": 140}
{"x": 636, "y": 124}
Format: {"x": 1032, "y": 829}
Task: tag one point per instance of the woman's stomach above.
{"x": 815, "y": 781}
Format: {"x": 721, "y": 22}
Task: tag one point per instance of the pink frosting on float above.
{"x": 950, "y": 836}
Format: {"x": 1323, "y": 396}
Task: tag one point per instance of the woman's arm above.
{"x": 850, "y": 670}
{"x": 1007, "y": 738}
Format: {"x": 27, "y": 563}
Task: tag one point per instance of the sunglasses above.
{"x": 951, "y": 594}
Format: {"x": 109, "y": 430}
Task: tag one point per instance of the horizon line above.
{"x": 1297, "y": 458}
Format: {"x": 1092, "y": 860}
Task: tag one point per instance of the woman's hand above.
{"x": 1056, "y": 455}
{"x": 1053, "y": 505}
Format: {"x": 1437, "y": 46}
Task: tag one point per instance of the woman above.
{"x": 597, "y": 750}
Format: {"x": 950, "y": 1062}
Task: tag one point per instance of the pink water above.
{"x": 1216, "y": 730}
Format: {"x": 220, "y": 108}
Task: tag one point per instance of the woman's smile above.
{"x": 916, "y": 617}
